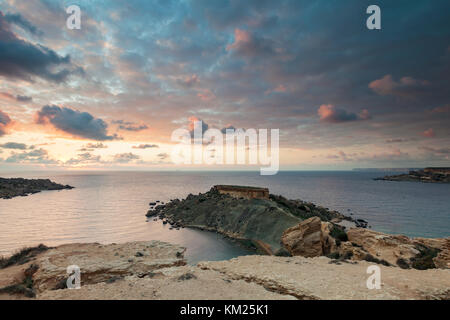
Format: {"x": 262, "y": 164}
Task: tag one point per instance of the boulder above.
{"x": 310, "y": 238}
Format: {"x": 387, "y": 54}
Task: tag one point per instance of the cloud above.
{"x": 429, "y": 133}
{"x": 162, "y": 156}
{"x": 74, "y": 122}
{"x": 5, "y": 122}
{"x": 25, "y": 60}
{"x": 191, "y": 126}
{"x": 188, "y": 81}
{"x": 23, "y": 98}
{"x": 35, "y": 156}
{"x": 406, "y": 86}
{"x": 84, "y": 158}
{"x": 443, "y": 109}
{"x": 125, "y": 157}
{"x": 20, "y": 21}
{"x": 396, "y": 140}
{"x": 328, "y": 113}
{"x": 436, "y": 151}
{"x": 98, "y": 145}
{"x": 92, "y": 146}
{"x": 145, "y": 146}
{"x": 227, "y": 127}
{"x": 250, "y": 46}
{"x": 15, "y": 145}
{"x": 20, "y": 98}
{"x": 130, "y": 126}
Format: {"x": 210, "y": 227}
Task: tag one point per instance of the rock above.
{"x": 310, "y": 238}
{"x": 417, "y": 253}
{"x": 99, "y": 263}
{"x": 175, "y": 283}
{"x": 315, "y": 278}
{"x": 14, "y": 187}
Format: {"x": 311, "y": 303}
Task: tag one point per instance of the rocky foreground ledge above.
{"x": 157, "y": 270}
{"x": 15, "y": 187}
{"x": 436, "y": 175}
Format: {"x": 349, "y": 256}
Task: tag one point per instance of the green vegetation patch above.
{"x": 424, "y": 259}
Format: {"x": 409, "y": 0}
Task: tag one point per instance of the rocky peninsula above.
{"x": 274, "y": 225}
{"x": 15, "y": 187}
{"x": 436, "y": 175}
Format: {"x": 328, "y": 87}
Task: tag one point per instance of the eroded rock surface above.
{"x": 97, "y": 263}
{"x": 180, "y": 283}
{"x": 317, "y": 278}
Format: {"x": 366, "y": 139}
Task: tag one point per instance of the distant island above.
{"x": 436, "y": 175}
{"x": 15, "y": 187}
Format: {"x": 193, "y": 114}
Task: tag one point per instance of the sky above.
{"x": 109, "y": 95}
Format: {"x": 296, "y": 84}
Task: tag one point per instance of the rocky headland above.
{"x": 274, "y": 225}
{"x": 156, "y": 270}
{"x": 436, "y": 175}
{"x": 15, "y": 187}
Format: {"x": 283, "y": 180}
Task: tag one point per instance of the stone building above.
{"x": 243, "y": 192}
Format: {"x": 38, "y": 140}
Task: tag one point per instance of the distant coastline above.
{"x": 15, "y": 187}
{"x": 429, "y": 175}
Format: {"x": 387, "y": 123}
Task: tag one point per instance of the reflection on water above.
{"x": 110, "y": 207}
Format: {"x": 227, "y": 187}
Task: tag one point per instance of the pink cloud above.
{"x": 329, "y": 113}
{"x": 429, "y": 133}
{"x": 443, "y": 109}
{"x": 241, "y": 37}
{"x": 388, "y": 86}
{"x": 206, "y": 95}
{"x": 250, "y": 46}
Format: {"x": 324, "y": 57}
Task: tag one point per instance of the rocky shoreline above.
{"x": 15, "y": 187}
{"x": 281, "y": 227}
{"x": 154, "y": 270}
{"x": 428, "y": 175}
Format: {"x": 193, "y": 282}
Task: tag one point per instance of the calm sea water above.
{"x": 110, "y": 207}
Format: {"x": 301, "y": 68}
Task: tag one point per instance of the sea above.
{"x": 110, "y": 207}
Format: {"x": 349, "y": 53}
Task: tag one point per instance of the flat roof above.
{"x": 222, "y": 186}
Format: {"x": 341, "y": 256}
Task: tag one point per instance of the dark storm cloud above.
{"x": 74, "y": 122}
{"x": 25, "y": 60}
